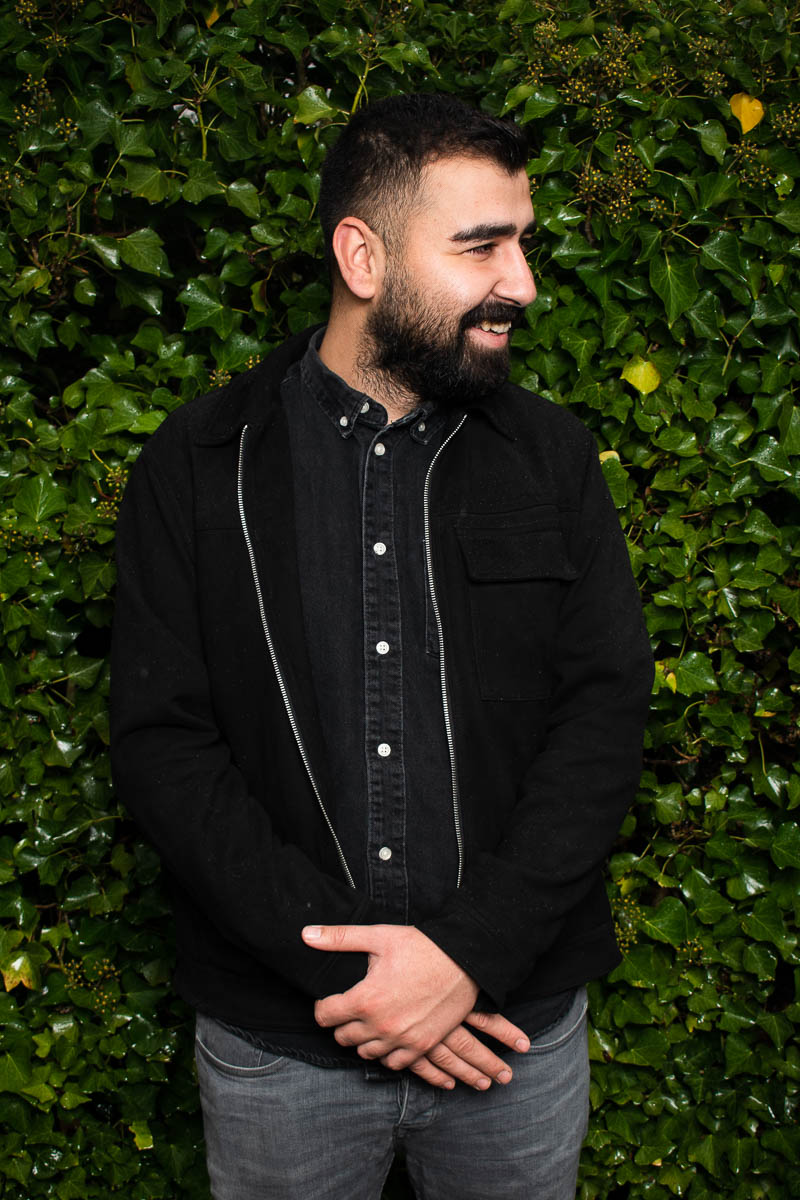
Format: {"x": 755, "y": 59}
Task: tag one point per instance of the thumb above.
{"x": 342, "y": 937}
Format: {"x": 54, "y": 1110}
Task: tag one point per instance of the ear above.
{"x": 360, "y": 255}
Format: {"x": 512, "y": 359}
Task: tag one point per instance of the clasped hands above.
{"x": 413, "y": 1008}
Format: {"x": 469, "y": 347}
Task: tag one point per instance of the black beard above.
{"x": 413, "y": 348}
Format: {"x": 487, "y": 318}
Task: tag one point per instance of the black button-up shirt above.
{"x": 359, "y": 485}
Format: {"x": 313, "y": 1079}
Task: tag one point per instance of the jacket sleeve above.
{"x": 174, "y": 771}
{"x": 514, "y": 902}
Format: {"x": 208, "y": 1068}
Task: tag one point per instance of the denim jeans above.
{"x": 280, "y": 1129}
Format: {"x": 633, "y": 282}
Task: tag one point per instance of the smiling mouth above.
{"x": 495, "y": 326}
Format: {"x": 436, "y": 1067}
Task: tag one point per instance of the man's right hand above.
{"x": 461, "y": 1057}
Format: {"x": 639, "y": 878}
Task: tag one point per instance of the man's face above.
{"x": 456, "y": 285}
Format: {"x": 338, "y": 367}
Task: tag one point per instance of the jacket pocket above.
{"x": 516, "y": 582}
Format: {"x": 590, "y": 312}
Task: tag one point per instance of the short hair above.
{"x": 375, "y": 168}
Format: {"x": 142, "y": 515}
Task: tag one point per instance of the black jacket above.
{"x": 216, "y": 746}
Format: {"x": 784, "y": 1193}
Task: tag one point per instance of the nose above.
{"x": 516, "y": 285}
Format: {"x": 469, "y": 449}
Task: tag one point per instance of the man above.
{"x": 379, "y": 683}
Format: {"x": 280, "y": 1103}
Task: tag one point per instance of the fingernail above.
{"x": 483, "y": 1084}
{"x": 312, "y": 933}
{"x": 503, "y": 1077}
{"x": 522, "y": 1044}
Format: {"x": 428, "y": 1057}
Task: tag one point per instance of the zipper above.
{"x": 276, "y": 665}
{"x": 442, "y": 664}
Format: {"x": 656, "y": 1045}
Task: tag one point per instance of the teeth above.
{"x": 492, "y": 327}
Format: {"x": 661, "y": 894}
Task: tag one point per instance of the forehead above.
{"x": 460, "y": 193}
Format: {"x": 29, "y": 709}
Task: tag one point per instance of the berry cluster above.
{"x": 658, "y": 208}
{"x": 627, "y": 920}
{"x": 115, "y": 480}
{"x": 566, "y": 55}
{"x": 714, "y": 81}
{"x": 27, "y": 11}
{"x": 545, "y": 31}
{"x": 668, "y": 78}
{"x": 219, "y": 377}
{"x": 691, "y": 952}
{"x": 591, "y": 184}
{"x": 66, "y": 127}
{"x": 25, "y": 115}
{"x": 28, "y": 541}
{"x": 55, "y": 42}
{"x": 786, "y": 122}
{"x": 38, "y": 91}
{"x": 603, "y": 117}
{"x": 102, "y": 981}
{"x": 750, "y": 167}
{"x": 577, "y": 91}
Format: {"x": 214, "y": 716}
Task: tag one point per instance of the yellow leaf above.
{"x": 142, "y": 1135}
{"x": 747, "y": 109}
{"x": 212, "y": 17}
{"x": 642, "y": 374}
{"x": 672, "y": 682}
{"x": 604, "y": 454}
{"x": 20, "y": 969}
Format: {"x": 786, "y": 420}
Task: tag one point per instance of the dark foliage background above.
{"x": 158, "y": 176}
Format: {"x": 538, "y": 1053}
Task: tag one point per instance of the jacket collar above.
{"x": 252, "y": 398}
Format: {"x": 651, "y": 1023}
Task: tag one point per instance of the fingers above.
{"x": 465, "y": 1058}
{"x": 366, "y": 938}
{"x": 459, "y": 1056}
{"x": 432, "y": 1075}
{"x": 498, "y": 1027}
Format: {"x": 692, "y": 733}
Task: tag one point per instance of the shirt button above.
{"x": 365, "y": 406}
{"x": 384, "y": 854}
{"x": 343, "y": 421}
{"x": 384, "y": 749}
{"x": 380, "y": 449}
{"x": 379, "y": 548}
{"x": 382, "y": 647}
{"x": 421, "y": 427}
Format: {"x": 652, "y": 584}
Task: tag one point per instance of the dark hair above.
{"x": 374, "y": 170}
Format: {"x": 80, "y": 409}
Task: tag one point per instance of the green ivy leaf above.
{"x": 785, "y": 847}
{"x": 243, "y": 195}
{"x": 672, "y": 278}
{"x": 541, "y": 102}
{"x": 143, "y": 251}
{"x": 201, "y": 183}
{"x": 694, "y": 673}
{"x": 721, "y": 252}
{"x": 667, "y": 923}
{"x": 713, "y": 139}
{"x": 164, "y": 11}
{"x": 40, "y": 497}
{"x": 313, "y": 105}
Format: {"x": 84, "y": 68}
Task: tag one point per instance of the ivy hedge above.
{"x": 159, "y": 177}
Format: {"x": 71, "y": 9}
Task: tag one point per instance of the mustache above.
{"x": 494, "y": 311}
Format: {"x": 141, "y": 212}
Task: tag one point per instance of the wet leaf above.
{"x": 747, "y": 109}
{"x": 644, "y": 375}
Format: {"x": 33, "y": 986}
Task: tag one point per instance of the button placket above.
{"x": 383, "y": 681}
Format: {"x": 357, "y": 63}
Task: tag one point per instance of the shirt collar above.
{"x": 345, "y": 406}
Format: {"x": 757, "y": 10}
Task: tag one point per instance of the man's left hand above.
{"x": 412, "y": 997}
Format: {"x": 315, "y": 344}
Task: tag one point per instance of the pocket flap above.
{"x": 513, "y": 554}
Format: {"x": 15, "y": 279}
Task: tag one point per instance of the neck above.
{"x": 342, "y": 351}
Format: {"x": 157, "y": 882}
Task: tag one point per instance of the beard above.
{"x": 413, "y": 346}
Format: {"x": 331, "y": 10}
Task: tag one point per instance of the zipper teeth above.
{"x": 276, "y": 665}
{"x": 442, "y": 665}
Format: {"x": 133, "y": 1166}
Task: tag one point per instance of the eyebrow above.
{"x": 484, "y": 233}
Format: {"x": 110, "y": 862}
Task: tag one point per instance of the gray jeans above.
{"x": 279, "y": 1129}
